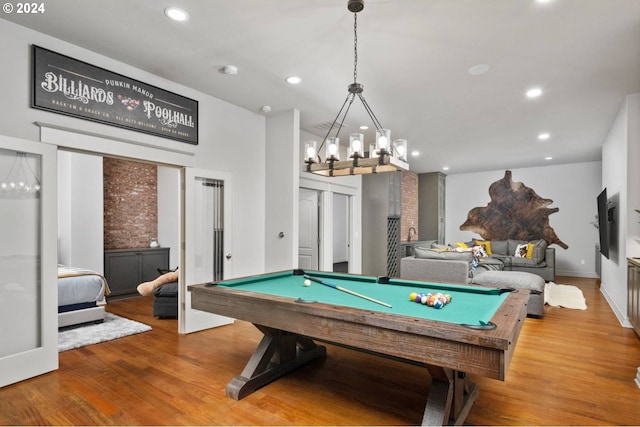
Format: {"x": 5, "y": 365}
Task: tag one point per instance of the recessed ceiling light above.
{"x": 544, "y": 136}
{"x": 548, "y": 158}
{"x": 364, "y": 127}
{"x": 176, "y": 14}
{"x": 293, "y": 80}
{"x": 534, "y": 92}
{"x": 543, "y": 1}
{"x": 479, "y": 69}
{"x": 445, "y": 168}
{"x": 415, "y": 153}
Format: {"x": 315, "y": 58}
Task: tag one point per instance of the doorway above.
{"x": 171, "y": 209}
{"x": 324, "y": 238}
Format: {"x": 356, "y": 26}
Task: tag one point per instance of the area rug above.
{"x": 113, "y": 327}
{"x": 566, "y": 296}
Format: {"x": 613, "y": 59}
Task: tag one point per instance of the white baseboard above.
{"x": 585, "y": 274}
{"x": 624, "y": 320}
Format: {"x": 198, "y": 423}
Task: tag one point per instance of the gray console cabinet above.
{"x": 125, "y": 269}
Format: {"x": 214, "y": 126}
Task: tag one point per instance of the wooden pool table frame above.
{"x": 449, "y": 351}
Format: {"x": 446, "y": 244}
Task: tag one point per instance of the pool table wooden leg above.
{"x": 278, "y": 353}
{"x": 451, "y": 397}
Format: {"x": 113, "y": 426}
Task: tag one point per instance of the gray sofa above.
{"x": 498, "y": 255}
{"x": 435, "y": 270}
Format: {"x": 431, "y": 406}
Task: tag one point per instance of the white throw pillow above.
{"x": 521, "y": 251}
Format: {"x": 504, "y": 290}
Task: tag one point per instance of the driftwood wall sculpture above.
{"x": 514, "y": 212}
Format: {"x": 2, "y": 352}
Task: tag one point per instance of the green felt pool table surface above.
{"x": 471, "y": 305}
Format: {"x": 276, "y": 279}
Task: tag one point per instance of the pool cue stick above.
{"x": 340, "y": 288}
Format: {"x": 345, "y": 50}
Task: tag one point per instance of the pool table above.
{"x": 475, "y": 333}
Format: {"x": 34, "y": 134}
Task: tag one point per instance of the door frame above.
{"x": 75, "y": 140}
{"x": 354, "y": 193}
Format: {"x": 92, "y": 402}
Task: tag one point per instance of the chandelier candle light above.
{"x": 384, "y": 156}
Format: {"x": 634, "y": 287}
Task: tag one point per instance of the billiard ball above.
{"x": 413, "y": 296}
{"x": 307, "y": 282}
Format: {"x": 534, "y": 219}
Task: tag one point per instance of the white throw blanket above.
{"x": 566, "y": 296}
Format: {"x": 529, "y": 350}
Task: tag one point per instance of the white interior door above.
{"x": 206, "y": 242}
{"x": 28, "y": 273}
{"x": 308, "y": 233}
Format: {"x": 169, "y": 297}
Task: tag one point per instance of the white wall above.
{"x": 573, "y": 189}
{"x": 620, "y": 154}
{"x": 633, "y": 176}
{"x": 281, "y": 190}
{"x": 80, "y": 211}
{"x": 232, "y": 139}
{"x": 169, "y": 212}
{"x": 340, "y": 228}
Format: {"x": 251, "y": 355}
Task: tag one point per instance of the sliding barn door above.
{"x": 28, "y": 273}
{"x": 207, "y": 254}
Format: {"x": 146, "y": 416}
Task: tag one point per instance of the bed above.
{"x": 81, "y": 296}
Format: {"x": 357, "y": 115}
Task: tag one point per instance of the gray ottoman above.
{"x": 165, "y": 301}
{"x": 517, "y": 280}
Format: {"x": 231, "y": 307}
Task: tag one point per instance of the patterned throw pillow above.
{"x": 479, "y": 252}
{"x": 486, "y": 244}
{"x": 521, "y": 251}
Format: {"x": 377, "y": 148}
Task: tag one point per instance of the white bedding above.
{"x": 77, "y": 285}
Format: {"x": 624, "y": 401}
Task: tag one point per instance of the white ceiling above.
{"x": 413, "y": 57}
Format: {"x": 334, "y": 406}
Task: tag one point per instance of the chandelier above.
{"x": 21, "y": 181}
{"x": 383, "y": 155}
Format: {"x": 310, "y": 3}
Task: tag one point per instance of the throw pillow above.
{"x": 479, "y": 251}
{"x": 539, "y": 250}
{"x": 521, "y": 251}
{"x": 486, "y": 245}
{"x": 530, "y": 248}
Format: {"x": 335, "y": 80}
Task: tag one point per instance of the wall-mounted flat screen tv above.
{"x": 603, "y": 223}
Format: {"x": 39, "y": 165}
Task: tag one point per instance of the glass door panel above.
{"x": 28, "y": 293}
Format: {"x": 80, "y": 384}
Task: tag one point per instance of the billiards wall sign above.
{"x": 71, "y": 87}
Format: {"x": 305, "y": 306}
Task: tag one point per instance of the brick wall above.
{"x": 130, "y": 204}
{"x": 409, "y": 205}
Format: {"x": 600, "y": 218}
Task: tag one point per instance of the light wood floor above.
{"x": 570, "y": 368}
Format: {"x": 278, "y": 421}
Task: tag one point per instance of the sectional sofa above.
{"x": 534, "y": 257}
